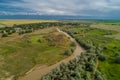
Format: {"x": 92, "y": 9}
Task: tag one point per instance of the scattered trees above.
{"x": 28, "y": 28}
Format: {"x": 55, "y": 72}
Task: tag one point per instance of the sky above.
{"x": 95, "y": 8}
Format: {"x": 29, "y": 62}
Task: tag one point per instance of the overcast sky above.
{"x": 103, "y": 8}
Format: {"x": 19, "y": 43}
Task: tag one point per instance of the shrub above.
{"x": 117, "y": 60}
{"x": 101, "y": 57}
{"x": 21, "y": 32}
{"x": 40, "y": 41}
{"x": 73, "y": 44}
{"x": 117, "y": 54}
{"x": 89, "y": 67}
{"x": 4, "y": 35}
{"x": 68, "y": 52}
{"x": 99, "y": 77}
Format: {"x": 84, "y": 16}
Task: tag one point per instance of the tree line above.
{"x": 28, "y": 28}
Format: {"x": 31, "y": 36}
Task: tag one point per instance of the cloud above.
{"x": 62, "y": 7}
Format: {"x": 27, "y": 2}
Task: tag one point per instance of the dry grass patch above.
{"x": 12, "y": 22}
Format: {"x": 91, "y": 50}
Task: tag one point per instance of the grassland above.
{"x": 111, "y": 69}
{"x": 20, "y": 54}
{"x": 108, "y": 45}
{"x": 109, "y": 22}
{"x": 109, "y": 27}
{"x": 12, "y": 22}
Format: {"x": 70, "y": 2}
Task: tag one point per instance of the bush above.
{"x": 68, "y": 52}
{"x": 73, "y": 44}
{"x": 99, "y": 78}
{"x": 89, "y": 67}
{"x": 4, "y": 35}
{"x": 83, "y": 43}
{"x": 21, "y": 32}
{"x": 40, "y": 41}
{"x": 117, "y": 60}
{"x": 101, "y": 57}
{"x": 117, "y": 54}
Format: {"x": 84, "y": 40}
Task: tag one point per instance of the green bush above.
{"x": 68, "y": 52}
{"x": 73, "y": 44}
{"x": 101, "y": 57}
{"x": 4, "y": 35}
{"x": 40, "y": 41}
{"x": 117, "y": 60}
{"x": 117, "y": 54}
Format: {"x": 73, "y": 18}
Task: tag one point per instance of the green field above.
{"x": 109, "y": 46}
{"x": 109, "y": 27}
{"x": 21, "y": 54}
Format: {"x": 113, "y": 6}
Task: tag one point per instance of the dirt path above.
{"x": 37, "y": 72}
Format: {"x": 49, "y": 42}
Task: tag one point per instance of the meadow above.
{"x": 109, "y": 27}
{"x": 21, "y": 53}
{"x": 110, "y": 47}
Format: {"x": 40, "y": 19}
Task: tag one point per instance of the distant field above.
{"x": 110, "y": 22}
{"x": 12, "y": 22}
{"x": 109, "y": 27}
{"x": 19, "y": 54}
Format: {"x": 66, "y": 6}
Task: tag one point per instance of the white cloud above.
{"x": 65, "y": 7}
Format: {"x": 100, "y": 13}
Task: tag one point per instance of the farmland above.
{"x": 9, "y": 23}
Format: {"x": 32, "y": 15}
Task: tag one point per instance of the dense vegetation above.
{"x": 102, "y": 65}
{"x": 81, "y": 68}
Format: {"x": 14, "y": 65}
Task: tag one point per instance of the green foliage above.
{"x": 73, "y": 44}
{"x": 68, "y": 52}
{"x": 101, "y": 57}
{"x": 28, "y": 28}
{"x": 80, "y": 68}
{"x": 98, "y": 75}
{"x": 4, "y": 35}
{"x": 117, "y": 59}
{"x": 40, "y": 40}
{"x": 96, "y": 42}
